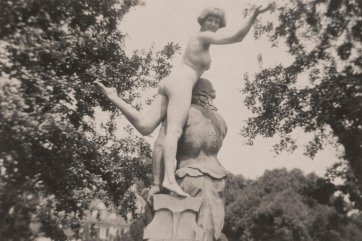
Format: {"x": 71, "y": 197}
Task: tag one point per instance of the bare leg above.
{"x": 157, "y": 163}
{"x": 177, "y": 107}
{"x": 177, "y": 113}
{"x": 145, "y": 124}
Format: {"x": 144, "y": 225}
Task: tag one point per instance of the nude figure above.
{"x": 175, "y": 91}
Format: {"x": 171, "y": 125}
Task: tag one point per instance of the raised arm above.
{"x": 225, "y": 37}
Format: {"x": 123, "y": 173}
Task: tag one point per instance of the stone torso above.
{"x": 201, "y": 140}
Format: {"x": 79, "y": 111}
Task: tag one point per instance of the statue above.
{"x": 199, "y": 174}
{"x": 175, "y": 91}
{"x": 192, "y": 135}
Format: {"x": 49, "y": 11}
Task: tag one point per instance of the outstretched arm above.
{"x": 224, "y": 37}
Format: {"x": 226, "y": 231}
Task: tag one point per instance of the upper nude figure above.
{"x": 173, "y": 101}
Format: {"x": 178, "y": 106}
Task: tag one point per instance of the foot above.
{"x": 153, "y": 190}
{"x": 175, "y": 188}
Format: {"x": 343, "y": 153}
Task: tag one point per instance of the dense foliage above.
{"x": 290, "y": 206}
{"x": 54, "y": 155}
{"x": 320, "y": 91}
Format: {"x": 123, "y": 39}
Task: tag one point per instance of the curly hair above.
{"x": 212, "y": 11}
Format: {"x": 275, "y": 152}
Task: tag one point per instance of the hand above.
{"x": 260, "y": 9}
{"x": 110, "y": 93}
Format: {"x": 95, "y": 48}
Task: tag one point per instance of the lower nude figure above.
{"x": 199, "y": 172}
{"x": 175, "y": 91}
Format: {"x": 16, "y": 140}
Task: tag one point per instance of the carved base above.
{"x": 174, "y": 219}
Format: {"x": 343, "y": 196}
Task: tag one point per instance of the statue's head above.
{"x": 203, "y": 94}
{"x": 211, "y": 19}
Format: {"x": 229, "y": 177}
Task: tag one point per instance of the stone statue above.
{"x": 172, "y": 102}
{"x": 199, "y": 174}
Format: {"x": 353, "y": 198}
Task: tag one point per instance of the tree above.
{"x": 289, "y": 206}
{"x": 234, "y": 183}
{"x": 50, "y": 142}
{"x": 324, "y": 38}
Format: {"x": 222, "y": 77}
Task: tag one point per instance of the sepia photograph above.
{"x": 180, "y": 120}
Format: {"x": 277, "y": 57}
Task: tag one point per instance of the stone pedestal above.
{"x": 174, "y": 219}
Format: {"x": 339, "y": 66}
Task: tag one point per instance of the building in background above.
{"x": 103, "y": 225}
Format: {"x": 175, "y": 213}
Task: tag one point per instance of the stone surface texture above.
{"x": 199, "y": 173}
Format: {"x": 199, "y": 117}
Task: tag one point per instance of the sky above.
{"x": 163, "y": 21}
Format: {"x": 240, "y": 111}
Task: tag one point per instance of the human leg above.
{"x": 157, "y": 163}
{"x": 179, "y": 101}
{"x": 145, "y": 124}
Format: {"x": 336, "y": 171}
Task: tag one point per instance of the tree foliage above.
{"x": 290, "y": 206}
{"x": 54, "y": 156}
{"x": 320, "y": 91}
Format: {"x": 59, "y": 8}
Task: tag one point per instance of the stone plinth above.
{"x": 174, "y": 219}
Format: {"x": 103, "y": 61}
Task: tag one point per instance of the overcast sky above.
{"x": 163, "y": 21}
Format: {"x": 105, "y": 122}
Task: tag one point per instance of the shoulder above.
{"x": 204, "y": 34}
{"x": 195, "y": 115}
{"x": 202, "y": 37}
{"x": 195, "y": 112}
